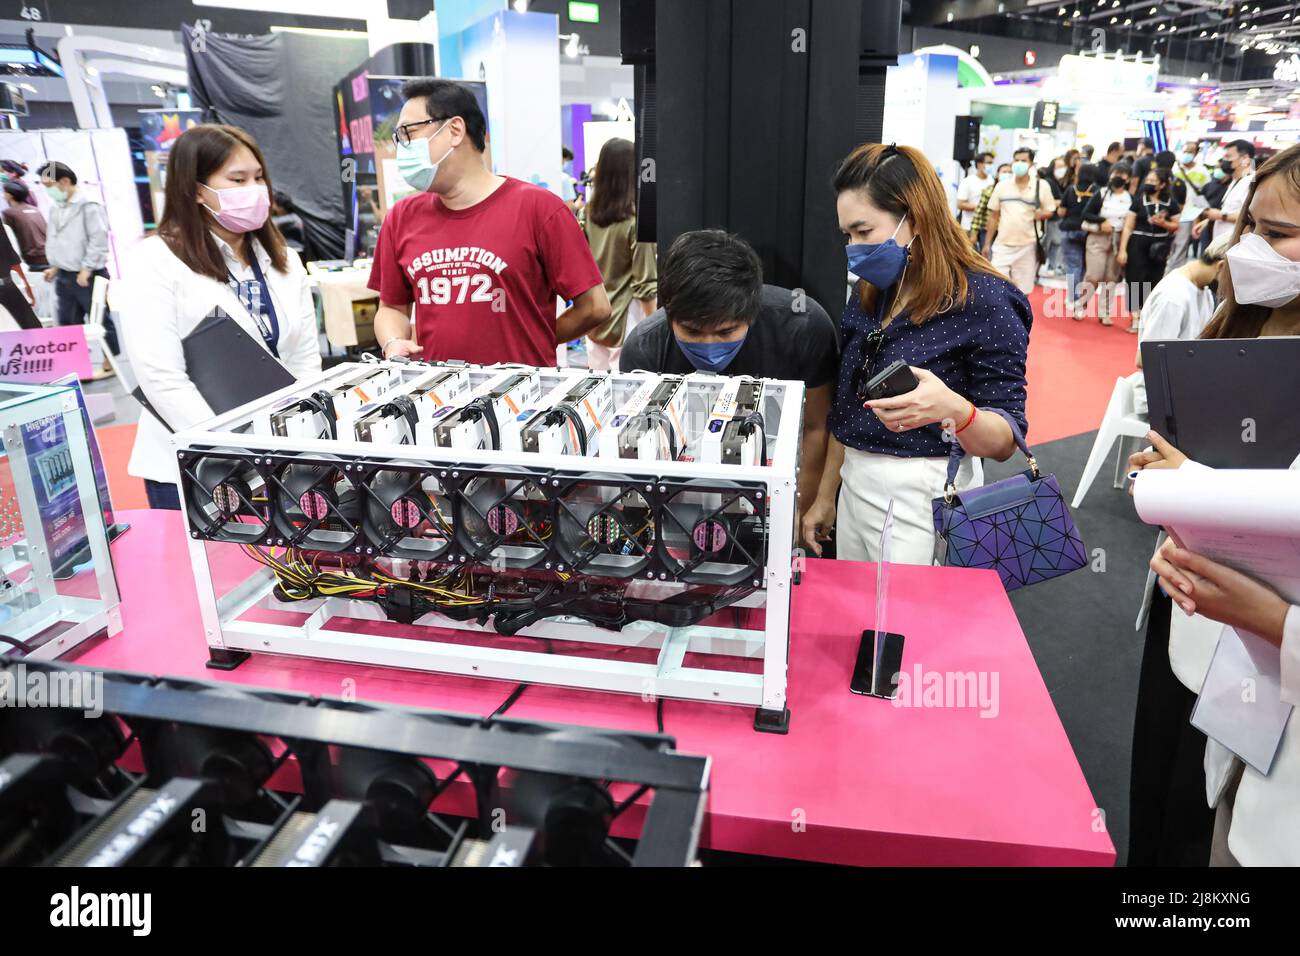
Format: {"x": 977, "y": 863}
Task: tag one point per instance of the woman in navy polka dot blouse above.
{"x": 926, "y": 298}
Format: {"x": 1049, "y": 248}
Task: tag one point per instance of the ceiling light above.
{"x": 1076, "y": 13}
{"x": 1151, "y": 12}
{"x": 1114, "y": 19}
{"x": 950, "y": 16}
{"x": 521, "y": 6}
{"x": 1127, "y": 21}
{"x": 1173, "y": 29}
{"x": 1204, "y": 33}
{"x": 1061, "y": 12}
{"x": 1161, "y": 28}
{"x": 1204, "y": 77}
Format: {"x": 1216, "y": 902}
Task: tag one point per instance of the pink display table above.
{"x": 856, "y": 781}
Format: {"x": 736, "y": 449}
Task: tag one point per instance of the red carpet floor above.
{"x": 1072, "y": 369}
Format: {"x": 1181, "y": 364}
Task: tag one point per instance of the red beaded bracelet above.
{"x": 973, "y": 412}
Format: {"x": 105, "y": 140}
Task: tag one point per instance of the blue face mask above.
{"x": 1186, "y": 159}
{"x": 881, "y": 263}
{"x": 415, "y": 164}
{"x": 711, "y": 356}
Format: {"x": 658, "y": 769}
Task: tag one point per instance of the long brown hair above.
{"x": 613, "y": 194}
{"x": 902, "y": 182}
{"x": 1071, "y": 179}
{"x": 196, "y": 155}
{"x": 1236, "y": 320}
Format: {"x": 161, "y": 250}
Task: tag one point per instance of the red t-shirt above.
{"x": 484, "y": 280}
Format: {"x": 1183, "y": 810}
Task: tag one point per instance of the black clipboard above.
{"x": 1226, "y": 403}
{"x": 227, "y": 365}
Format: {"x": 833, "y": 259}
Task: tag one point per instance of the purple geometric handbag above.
{"x": 1019, "y": 527}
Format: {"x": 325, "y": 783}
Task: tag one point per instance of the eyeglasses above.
{"x": 872, "y": 346}
{"x": 402, "y": 135}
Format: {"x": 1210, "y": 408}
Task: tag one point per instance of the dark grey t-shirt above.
{"x": 791, "y": 338}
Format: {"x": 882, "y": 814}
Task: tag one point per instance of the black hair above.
{"x": 1146, "y": 141}
{"x": 18, "y": 190}
{"x": 1141, "y": 167}
{"x": 983, "y": 157}
{"x": 709, "y": 278}
{"x": 1166, "y": 159}
{"x": 1089, "y": 176}
{"x": 566, "y": 153}
{"x": 57, "y": 170}
{"x": 1242, "y": 146}
{"x": 444, "y": 99}
{"x": 1087, "y": 149}
{"x": 1023, "y": 149}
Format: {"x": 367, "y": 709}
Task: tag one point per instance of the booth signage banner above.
{"x": 39, "y": 356}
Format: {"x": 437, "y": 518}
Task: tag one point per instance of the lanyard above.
{"x": 255, "y": 295}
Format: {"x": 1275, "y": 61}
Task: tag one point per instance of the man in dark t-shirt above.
{"x": 12, "y": 299}
{"x": 719, "y": 317}
{"x": 28, "y": 225}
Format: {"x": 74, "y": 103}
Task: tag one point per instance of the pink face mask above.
{"x": 243, "y": 208}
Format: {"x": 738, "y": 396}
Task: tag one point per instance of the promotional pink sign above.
{"x": 38, "y": 356}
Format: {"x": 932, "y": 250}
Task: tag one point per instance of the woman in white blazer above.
{"x": 1258, "y": 817}
{"x": 215, "y": 247}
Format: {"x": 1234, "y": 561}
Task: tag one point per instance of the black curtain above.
{"x": 280, "y": 88}
{"x": 755, "y": 101}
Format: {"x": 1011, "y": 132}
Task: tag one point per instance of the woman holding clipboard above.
{"x": 1191, "y": 800}
{"x": 215, "y": 248}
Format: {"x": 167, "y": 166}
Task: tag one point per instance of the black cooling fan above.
{"x": 713, "y": 532}
{"x": 408, "y": 513}
{"x": 315, "y": 506}
{"x": 225, "y": 498}
{"x": 605, "y": 525}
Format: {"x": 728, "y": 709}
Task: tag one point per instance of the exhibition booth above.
{"x": 431, "y": 614}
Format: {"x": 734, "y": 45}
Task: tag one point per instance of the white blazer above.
{"x": 159, "y": 300}
{"x": 1266, "y": 813}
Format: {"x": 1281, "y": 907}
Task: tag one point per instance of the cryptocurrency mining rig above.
{"x": 628, "y": 533}
{"x": 107, "y": 769}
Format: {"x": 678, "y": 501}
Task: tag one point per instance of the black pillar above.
{"x": 753, "y": 104}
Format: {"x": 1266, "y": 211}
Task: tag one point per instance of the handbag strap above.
{"x": 958, "y": 453}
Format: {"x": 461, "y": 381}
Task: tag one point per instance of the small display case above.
{"x": 57, "y": 586}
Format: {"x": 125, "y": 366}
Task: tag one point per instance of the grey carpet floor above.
{"x": 1080, "y": 627}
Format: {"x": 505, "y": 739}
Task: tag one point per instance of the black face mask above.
{"x": 1226, "y": 166}
{"x": 1117, "y": 183}
{"x": 1149, "y": 190}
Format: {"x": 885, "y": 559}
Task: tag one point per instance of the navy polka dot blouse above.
{"x": 978, "y": 351}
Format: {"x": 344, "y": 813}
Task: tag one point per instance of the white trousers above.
{"x": 868, "y": 481}
{"x": 1017, "y": 263}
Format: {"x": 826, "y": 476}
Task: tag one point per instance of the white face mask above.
{"x": 1261, "y": 275}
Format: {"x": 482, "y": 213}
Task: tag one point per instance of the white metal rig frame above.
{"x": 770, "y": 491}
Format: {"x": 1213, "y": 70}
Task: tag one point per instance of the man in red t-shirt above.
{"x": 482, "y": 257}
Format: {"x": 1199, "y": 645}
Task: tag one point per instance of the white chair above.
{"x": 1121, "y": 421}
